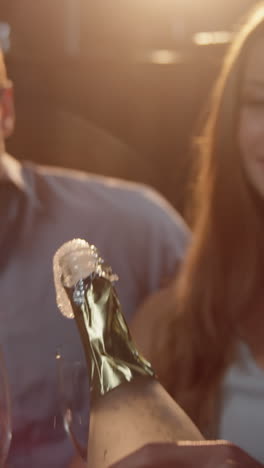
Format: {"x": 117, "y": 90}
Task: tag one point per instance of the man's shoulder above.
{"x": 125, "y": 197}
{"x": 137, "y": 231}
{"x": 56, "y": 179}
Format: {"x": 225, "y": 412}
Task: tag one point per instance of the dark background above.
{"x": 91, "y": 95}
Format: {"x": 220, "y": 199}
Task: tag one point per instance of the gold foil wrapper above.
{"x": 85, "y": 291}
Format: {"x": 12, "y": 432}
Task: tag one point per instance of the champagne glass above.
{"x": 5, "y": 412}
{"x": 73, "y": 388}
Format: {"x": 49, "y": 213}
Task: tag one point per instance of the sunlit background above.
{"x": 115, "y": 86}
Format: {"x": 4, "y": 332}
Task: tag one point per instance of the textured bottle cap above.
{"x": 76, "y": 260}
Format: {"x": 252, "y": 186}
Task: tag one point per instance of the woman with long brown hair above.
{"x": 204, "y": 334}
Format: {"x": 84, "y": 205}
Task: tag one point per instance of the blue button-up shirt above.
{"x": 136, "y": 232}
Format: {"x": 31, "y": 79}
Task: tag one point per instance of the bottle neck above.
{"x": 111, "y": 355}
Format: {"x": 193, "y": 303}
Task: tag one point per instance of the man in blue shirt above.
{"x": 136, "y": 232}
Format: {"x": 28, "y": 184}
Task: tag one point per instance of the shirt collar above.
{"x": 11, "y": 170}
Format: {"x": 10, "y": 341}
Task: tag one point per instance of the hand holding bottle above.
{"x": 129, "y": 408}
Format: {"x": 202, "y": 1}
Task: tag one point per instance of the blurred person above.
{"x": 137, "y": 232}
{"x": 204, "y": 333}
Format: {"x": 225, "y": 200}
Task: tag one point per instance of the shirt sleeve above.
{"x": 157, "y": 238}
{"x": 168, "y": 237}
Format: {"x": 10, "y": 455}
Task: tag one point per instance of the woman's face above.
{"x": 251, "y": 119}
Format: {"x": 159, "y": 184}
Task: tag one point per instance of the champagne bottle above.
{"x": 129, "y": 407}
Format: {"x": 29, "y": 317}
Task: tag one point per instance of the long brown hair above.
{"x": 219, "y": 279}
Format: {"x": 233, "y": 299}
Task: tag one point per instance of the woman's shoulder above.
{"x": 150, "y": 317}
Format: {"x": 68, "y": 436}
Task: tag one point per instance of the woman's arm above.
{"x": 145, "y": 323}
